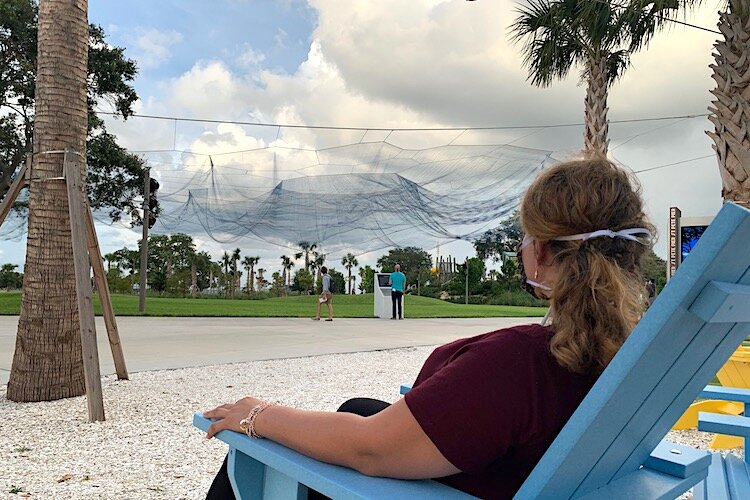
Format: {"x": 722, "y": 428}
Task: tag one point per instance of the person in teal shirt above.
{"x": 398, "y": 285}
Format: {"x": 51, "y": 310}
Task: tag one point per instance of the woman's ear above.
{"x": 542, "y": 252}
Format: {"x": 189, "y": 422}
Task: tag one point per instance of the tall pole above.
{"x": 144, "y": 241}
{"x": 466, "y": 300}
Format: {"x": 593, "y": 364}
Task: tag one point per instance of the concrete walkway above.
{"x": 164, "y": 343}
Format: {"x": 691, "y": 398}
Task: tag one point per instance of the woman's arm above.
{"x": 390, "y": 443}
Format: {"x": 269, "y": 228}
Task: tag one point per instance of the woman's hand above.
{"x": 229, "y": 415}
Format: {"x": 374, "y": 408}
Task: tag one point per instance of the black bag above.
{"x": 332, "y": 285}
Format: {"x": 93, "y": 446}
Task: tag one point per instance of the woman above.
{"x": 483, "y": 410}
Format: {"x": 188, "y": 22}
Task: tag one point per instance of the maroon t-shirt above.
{"x": 492, "y": 404}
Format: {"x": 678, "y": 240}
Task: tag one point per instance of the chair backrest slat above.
{"x": 659, "y": 371}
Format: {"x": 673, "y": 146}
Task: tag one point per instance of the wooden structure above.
{"x": 445, "y": 269}
{"x": 612, "y": 445}
{"x": 86, "y": 256}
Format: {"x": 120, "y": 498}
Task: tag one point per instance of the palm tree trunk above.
{"x": 47, "y": 363}
{"x": 730, "y": 111}
{"x": 595, "y": 140}
{"x": 194, "y": 279}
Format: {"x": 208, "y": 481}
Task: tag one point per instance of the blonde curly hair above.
{"x": 599, "y": 293}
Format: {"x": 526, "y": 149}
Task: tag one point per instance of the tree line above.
{"x": 176, "y": 268}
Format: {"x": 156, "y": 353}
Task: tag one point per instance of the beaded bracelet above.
{"x": 247, "y": 425}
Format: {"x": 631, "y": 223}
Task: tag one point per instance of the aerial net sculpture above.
{"x": 358, "y": 197}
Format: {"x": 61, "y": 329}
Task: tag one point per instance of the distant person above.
{"x": 398, "y": 285}
{"x": 325, "y": 296}
{"x": 484, "y": 409}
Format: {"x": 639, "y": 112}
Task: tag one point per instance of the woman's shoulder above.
{"x": 527, "y": 334}
{"x": 509, "y": 341}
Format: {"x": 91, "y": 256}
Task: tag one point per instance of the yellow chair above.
{"x": 734, "y": 373}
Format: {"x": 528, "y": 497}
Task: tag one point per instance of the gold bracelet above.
{"x": 247, "y": 425}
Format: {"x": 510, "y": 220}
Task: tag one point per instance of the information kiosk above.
{"x": 383, "y": 304}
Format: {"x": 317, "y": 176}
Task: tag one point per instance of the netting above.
{"x": 358, "y": 197}
{"x": 352, "y": 198}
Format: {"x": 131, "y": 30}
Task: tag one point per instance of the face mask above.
{"x": 528, "y": 285}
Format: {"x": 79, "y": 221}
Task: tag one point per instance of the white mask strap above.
{"x": 627, "y": 234}
{"x": 538, "y": 285}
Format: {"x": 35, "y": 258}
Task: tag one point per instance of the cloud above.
{"x": 249, "y": 58}
{"x": 428, "y": 63}
{"x": 151, "y": 47}
{"x": 280, "y": 38}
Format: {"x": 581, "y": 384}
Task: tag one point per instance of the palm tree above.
{"x": 730, "y": 111}
{"x": 594, "y": 35}
{"x": 235, "y": 275}
{"x": 249, "y": 264}
{"x": 288, "y": 273}
{"x": 318, "y": 260}
{"x": 260, "y": 277}
{"x": 214, "y": 270}
{"x": 349, "y": 261}
{"x": 307, "y": 249}
{"x": 226, "y": 260}
{"x": 110, "y": 258}
{"x": 286, "y": 268}
{"x": 48, "y": 360}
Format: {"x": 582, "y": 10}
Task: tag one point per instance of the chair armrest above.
{"x": 677, "y": 460}
{"x": 726, "y": 393}
{"x": 332, "y": 480}
{"x": 724, "y": 424}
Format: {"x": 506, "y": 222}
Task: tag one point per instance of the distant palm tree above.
{"x": 595, "y": 35}
{"x": 286, "y": 268}
{"x": 319, "y": 259}
{"x": 110, "y": 258}
{"x": 349, "y": 261}
{"x": 235, "y": 274}
{"x": 260, "y": 278}
{"x": 249, "y": 264}
{"x": 288, "y": 272}
{"x": 226, "y": 260}
{"x": 307, "y": 249}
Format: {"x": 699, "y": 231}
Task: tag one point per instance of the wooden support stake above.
{"x": 16, "y": 186}
{"x": 95, "y": 257}
{"x": 76, "y": 206}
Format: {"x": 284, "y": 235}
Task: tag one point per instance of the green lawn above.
{"x": 345, "y": 306}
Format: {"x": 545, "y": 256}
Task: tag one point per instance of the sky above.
{"x": 397, "y": 63}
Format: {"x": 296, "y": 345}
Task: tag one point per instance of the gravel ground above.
{"x": 147, "y": 447}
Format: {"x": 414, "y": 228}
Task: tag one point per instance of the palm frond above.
{"x": 617, "y": 63}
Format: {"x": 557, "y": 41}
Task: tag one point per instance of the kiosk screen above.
{"x": 383, "y": 280}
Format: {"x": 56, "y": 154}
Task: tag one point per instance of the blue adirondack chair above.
{"x": 611, "y": 447}
{"x": 728, "y": 476}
